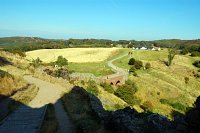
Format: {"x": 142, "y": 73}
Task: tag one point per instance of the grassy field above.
{"x": 75, "y": 55}
{"x": 163, "y": 82}
{"x": 98, "y": 69}
{"x": 83, "y": 60}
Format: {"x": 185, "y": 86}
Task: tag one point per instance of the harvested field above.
{"x": 77, "y": 55}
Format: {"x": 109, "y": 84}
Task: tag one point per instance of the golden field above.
{"x": 76, "y": 55}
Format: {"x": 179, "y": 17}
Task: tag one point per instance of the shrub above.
{"x": 148, "y": 66}
{"x": 147, "y": 106}
{"x": 186, "y": 80}
{"x": 107, "y": 87}
{"x": 131, "y": 61}
{"x": 36, "y": 62}
{"x": 171, "y": 54}
{"x": 197, "y": 63}
{"x": 138, "y": 64}
{"x": 195, "y": 53}
{"x": 61, "y": 61}
{"x": 184, "y": 51}
{"x": 127, "y": 91}
{"x": 132, "y": 69}
{"x": 164, "y": 101}
{"x": 92, "y": 88}
{"x": 4, "y": 74}
{"x": 176, "y": 105}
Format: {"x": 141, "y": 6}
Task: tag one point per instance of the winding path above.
{"x": 29, "y": 118}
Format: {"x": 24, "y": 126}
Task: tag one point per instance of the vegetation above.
{"x": 175, "y": 105}
{"x": 171, "y": 54}
{"x": 61, "y": 61}
{"x": 197, "y": 63}
{"x": 92, "y": 88}
{"x": 163, "y": 82}
{"x": 77, "y": 105}
{"x": 147, "y": 106}
{"x": 36, "y": 62}
{"x": 195, "y": 53}
{"x": 107, "y": 87}
{"x": 138, "y": 64}
{"x": 187, "y": 80}
{"x": 147, "y": 65}
{"x": 131, "y": 61}
{"x": 127, "y": 91}
{"x": 10, "y": 84}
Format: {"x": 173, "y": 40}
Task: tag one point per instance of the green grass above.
{"x": 98, "y": 69}
{"x": 143, "y": 55}
{"x": 163, "y": 82}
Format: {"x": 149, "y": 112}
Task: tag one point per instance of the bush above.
{"x": 36, "y": 62}
{"x": 148, "y": 66}
{"x": 147, "y": 106}
{"x": 92, "y": 88}
{"x": 107, "y": 87}
{"x": 197, "y": 63}
{"x": 132, "y": 69}
{"x": 186, "y": 80}
{"x": 164, "y": 101}
{"x": 61, "y": 61}
{"x": 195, "y": 53}
{"x": 184, "y": 52}
{"x": 4, "y": 74}
{"x": 176, "y": 105}
{"x": 131, "y": 61}
{"x": 127, "y": 91}
{"x": 138, "y": 64}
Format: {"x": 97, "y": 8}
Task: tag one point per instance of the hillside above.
{"x": 163, "y": 82}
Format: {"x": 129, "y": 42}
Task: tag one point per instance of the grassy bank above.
{"x": 163, "y": 82}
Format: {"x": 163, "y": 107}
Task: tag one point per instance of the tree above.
{"x": 61, "y": 61}
{"x": 36, "y": 62}
{"x": 197, "y": 63}
{"x": 171, "y": 54}
{"x": 138, "y": 64}
{"x": 131, "y": 61}
{"x": 148, "y": 65}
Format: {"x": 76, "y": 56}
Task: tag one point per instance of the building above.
{"x": 143, "y": 48}
{"x": 156, "y": 48}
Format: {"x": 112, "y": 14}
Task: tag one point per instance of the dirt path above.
{"x": 28, "y": 118}
{"x": 118, "y": 71}
{"x": 51, "y": 93}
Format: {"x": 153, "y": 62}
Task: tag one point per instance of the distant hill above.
{"x": 11, "y": 41}
{"x": 24, "y": 44}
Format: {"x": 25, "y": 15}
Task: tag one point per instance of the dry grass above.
{"x": 110, "y": 101}
{"x": 163, "y": 82}
{"x": 78, "y": 55}
{"x": 9, "y": 85}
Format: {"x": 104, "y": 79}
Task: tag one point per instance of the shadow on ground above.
{"x": 88, "y": 116}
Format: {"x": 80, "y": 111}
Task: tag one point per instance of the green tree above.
{"x": 61, "y": 61}
{"x": 36, "y": 62}
{"x": 138, "y": 64}
{"x": 148, "y": 65}
{"x": 171, "y": 54}
{"x": 131, "y": 61}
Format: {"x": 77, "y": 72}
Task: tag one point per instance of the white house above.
{"x": 143, "y": 48}
{"x": 156, "y": 48}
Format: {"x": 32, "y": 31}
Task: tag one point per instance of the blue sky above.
{"x": 109, "y": 19}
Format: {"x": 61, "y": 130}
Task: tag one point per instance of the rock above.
{"x": 158, "y": 123}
